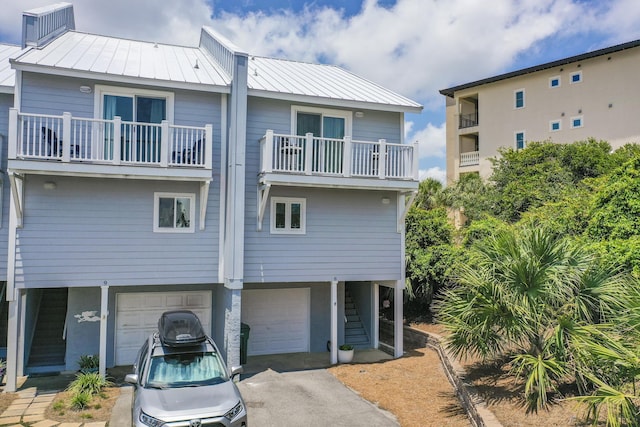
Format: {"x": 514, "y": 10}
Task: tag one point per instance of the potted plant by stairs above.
{"x": 345, "y": 353}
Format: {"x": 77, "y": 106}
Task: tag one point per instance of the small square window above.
{"x": 554, "y": 82}
{"x": 554, "y": 125}
{"x": 174, "y": 213}
{"x": 520, "y": 141}
{"x": 576, "y": 122}
{"x": 576, "y": 77}
{"x": 288, "y": 215}
{"x": 519, "y": 98}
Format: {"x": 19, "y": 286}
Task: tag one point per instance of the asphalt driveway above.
{"x": 307, "y": 398}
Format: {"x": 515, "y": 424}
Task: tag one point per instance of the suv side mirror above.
{"x": 236, "y": 371}
{"x": 131, "y": 379}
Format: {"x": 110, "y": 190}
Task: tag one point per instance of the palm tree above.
{"x": 430, "y": 194}
{"x": 548, "y": 306}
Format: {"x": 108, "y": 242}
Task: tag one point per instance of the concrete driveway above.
{"x": 307, "y": 398}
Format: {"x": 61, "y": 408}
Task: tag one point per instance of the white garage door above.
{"x": 137, "y": 317}
{"x": 278, "y": 318}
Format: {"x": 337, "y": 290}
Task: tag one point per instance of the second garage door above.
{"x": 278, "y": 318}
{"x": 137, "y": 317}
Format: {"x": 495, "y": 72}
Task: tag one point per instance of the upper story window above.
{"x": 288, "y": 215}
{"x": 576, "y": 77}
{"x": 174, "y": 212}
{"x": 554, "y": 81}
{"x": 520, "y": 141}
{"x": 576, "y": 122}
{"x": 133, "y": 105}
{"x": 555, "y": 125}
{"x": 320, "y": 122}
{"x": 519, "y": 98}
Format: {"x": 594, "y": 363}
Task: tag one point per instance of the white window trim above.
{"x": 581, "y": 118}
{"x": 577, "y": 73}
{"x": 346, "y": 115}
{"x": 551, "y": 79}
{"x": 101, "y": 90}
{"x": 552, "y": 122}
{"x": 524, "y": 139}
{"x": 303, "y": 215}
{"x": 515, "y": 99}
{"x": 192, "y": 213}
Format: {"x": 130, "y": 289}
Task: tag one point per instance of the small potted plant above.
{"x": 345, "y": 353}
{"x": 89, "y": 363}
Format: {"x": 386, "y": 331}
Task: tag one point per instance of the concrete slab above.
{"x": 311, "y": 398}
{"x": 10, "y": 420}
{"x": 121, "y": 411}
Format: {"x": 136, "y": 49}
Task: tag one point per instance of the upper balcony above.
{"x": 78, "y": 146}
{"x": 345, "y": 163}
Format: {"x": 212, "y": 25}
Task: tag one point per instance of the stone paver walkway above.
{"x": 29, "y": 407}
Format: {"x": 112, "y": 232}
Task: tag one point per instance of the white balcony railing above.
{"x": 311, "y": 155}
{"x": 471, "y": 158}
{"x": 72, "y": 139}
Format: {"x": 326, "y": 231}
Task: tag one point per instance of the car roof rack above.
{"x": 180, "y": 328}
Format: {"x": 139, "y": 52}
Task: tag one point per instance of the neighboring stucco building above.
{"x": 593, "y": 95}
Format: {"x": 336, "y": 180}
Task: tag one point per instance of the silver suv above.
{"x": 181, "y": 380}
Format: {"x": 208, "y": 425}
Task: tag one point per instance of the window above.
{"x": 576, "y": 77}
{"x": 576, "y": 122}
{"x": 520, "y": 141}
{"x": 174, "y": 213}
{"x": 554, "y": 125}
{"x": 519, "y": 97}
{"x": 554, "y": 82}
{"x": 288, "y": 215}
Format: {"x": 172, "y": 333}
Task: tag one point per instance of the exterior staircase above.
{"x": 354, "y": 331}
{"x": 48, "y": 348}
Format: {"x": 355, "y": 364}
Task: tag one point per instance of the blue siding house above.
{"x": 141, "y": 177}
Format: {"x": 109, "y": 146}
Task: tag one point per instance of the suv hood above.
{"x": 173, "y": 404}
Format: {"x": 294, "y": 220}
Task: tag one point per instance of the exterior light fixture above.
{"x": 386, "y": 200}
{"x": 85, "y": 89}
{"x": 49, "y": 185}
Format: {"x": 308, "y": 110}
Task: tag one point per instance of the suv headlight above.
{"x": 234, "y": 412}
{"x": 150, "y": 421}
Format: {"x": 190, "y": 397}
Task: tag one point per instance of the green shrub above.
{"x": 80, "y": 400}
{"x": 89, "y": 362}
{"x": 89, "y": 382}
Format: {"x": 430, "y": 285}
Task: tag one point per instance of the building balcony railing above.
{"x": 112, "y": 143}
{"x": 471, "y": 158}
{"x": 338, "y": 158}
{"x": 468, "y": 120}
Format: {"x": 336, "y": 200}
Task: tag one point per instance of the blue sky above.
{"x": 415, "y": 47}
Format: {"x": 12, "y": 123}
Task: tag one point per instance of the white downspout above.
{"x": 104, "y": 314}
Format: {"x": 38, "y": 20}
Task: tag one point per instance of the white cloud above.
{"x": 435, "y": 173}
{"x": 431, "y": 140}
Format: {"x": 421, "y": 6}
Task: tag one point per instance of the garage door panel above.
{"x": 279, "y": 320}
{"x": 137, "y": 317}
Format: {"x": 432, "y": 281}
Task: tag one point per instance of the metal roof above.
{"x": 119, "y": 59}
{"x": 305, "y": 82}
{"x": 600, "y": 52}
{"x": 7, "y": 74}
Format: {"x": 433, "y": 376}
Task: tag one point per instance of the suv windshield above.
{"x": 185, "y": 369}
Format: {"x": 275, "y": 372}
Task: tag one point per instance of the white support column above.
{"x": 104, "y": 315}
{"x": 117, "y": 141}
{"x": 66, "y": 137}
{"x": 334, "y": 321}
{"x": 376, "y": 314}
{"x": 165, "y": 143}
{"x": 346, "y": 157}
{"x": 382, "y": 158}
{"x": 13, "y": 336}
{"x": 308, "y": 154}
{"x": 398, "y": 333}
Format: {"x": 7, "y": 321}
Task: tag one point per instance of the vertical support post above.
{"x": 376, "y": 314}
{"x": 308, "y": 153}
{"x": 334, "y": 321}
{"x": 208, "y": 147}
{"x": 165, "y": 143}
{"x": 267, "y": 158}
{"x": 398, "y": 332}
{"x": 13, "y": 133}
{"x": 382, "y": 158}
{"x": 66, "y": 137}
{"x": 346, "y": 157}
{"x": 13, "y": 336}
{"x": 104, "y": 314}
{"x": 117, "y": 141}
{"x": 416, "y": 159}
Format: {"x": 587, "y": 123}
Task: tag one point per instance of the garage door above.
{"x": 279, "y": 320}
{"x": 137, "y": 317}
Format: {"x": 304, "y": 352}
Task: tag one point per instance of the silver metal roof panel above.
{"x": 297, "y": 80}
{"x": 115, "y": 58}
{"x": 7, "y": 74}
